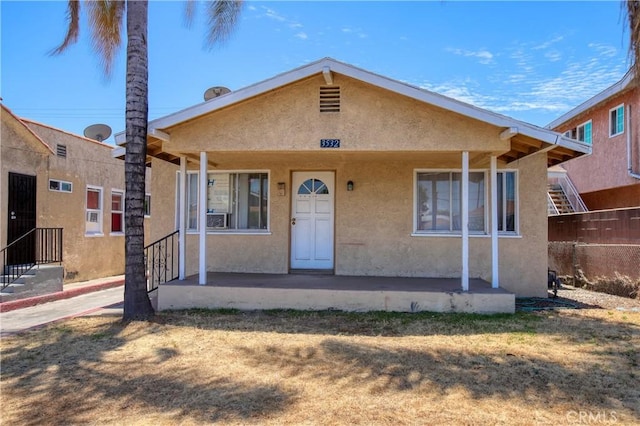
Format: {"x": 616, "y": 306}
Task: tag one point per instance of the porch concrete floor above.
{"x": 338, "y": 282}
{"x": 321, "y": 292}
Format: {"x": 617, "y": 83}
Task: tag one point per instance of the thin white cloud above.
{"x": 484, "y": 56}
{"x": 604, "y": 49}
{"x": 548, "y": 43}
{"x": 553, "y": 55}
{"x": 272, "y": 14}
{"x": 532, "y": 92}
{"x": 358, "y": 32}
{"x": 293, "y": 25}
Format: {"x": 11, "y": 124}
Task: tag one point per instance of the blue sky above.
{"x": 532, "y": 61}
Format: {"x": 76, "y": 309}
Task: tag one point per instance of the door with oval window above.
{"x": 312, "y": 220}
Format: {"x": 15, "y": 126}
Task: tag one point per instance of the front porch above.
{"x": 247, "y": 291}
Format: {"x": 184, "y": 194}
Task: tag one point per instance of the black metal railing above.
{"x": 162, "y": 261}
{"x": 39, "y": 246}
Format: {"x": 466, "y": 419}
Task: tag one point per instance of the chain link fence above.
{"x": 612, "y": 268}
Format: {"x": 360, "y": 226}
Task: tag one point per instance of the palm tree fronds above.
{"x": 189, "y": 12}
{"x": 633, "y": 20}
{"x": 106, "y": 20}
{"x": 73, "y": 27}
{"x": 222, "y": 18}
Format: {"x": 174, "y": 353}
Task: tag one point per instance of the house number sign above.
{"x": 329, "y": 143}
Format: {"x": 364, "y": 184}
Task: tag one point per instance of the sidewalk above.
{"x": 68, "y": 291}
{"x": 98, "y": 297}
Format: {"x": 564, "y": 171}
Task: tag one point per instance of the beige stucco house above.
{"x": 333, "y": 169}
{"x": 54, "y": 179}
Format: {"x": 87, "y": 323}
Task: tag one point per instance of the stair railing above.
{"x": 552, "y": 209}
{"x": 162, "y": 261}
{"x": 40, "y": 245}
{"x": 570, "y": 191}
{"x": 572, "y": 195}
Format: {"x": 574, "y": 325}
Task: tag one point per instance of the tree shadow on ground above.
{"x": 539, "y": 381}
{"x": 59, "y": 376}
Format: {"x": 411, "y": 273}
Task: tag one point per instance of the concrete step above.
{"x": 41, "y": 279}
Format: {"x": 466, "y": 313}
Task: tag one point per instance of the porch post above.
{"x": 495, "y": 282}
{"x": 465, "y": 220}
{"x": 182, "y": 219}
{"x": 202, "y": 219}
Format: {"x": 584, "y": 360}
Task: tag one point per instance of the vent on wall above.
{"x": 61, "y": 150}
{"x": 329, "y": 99}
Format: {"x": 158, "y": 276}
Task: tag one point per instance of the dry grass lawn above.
{"x": 203, "y": 367}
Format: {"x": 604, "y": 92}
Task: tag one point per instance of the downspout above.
{"x": 629, "y": 153}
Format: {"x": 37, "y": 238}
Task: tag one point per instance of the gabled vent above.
{"x": 330, "y": 99}
{"x": 61, "y": 151}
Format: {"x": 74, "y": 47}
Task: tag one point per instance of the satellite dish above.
{"x": 98, "y": 132}
{"x": 214, "y": 92}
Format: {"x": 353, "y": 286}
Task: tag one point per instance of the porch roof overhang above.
{"x": 525, "y": 139}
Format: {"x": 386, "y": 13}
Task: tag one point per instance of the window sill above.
{"x": 116, "y": 234}
{"x": 94, "y": 234}
{"x": 449, "y": 235}
{"x": 233, "y": 232}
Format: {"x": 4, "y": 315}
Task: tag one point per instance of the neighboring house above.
{"x": 331, "y": 168}
{"x": 54, "y": 179}
{"x": 609, "y": 177}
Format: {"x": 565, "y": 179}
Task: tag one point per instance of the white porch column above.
{"x": 495, "y": 279}
{"x": 182, "y": 219}
{"x": 202, "y": 220}
{"x": 465, "y": 220}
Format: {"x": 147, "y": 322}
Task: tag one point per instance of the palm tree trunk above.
{"x": 137, "y": 305}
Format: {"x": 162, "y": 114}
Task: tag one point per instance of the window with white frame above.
{"x": 235, "y": 201}
{"x": 583, "y": 132}
{"x": 93, "y": 218}
{"x": 439, "y": 202}
{"x": 616, "y": 120}
{"x": 439, "y": 198}
{"x": 117, "y": 211}
{"x": 507, "y": 202}
{"x": 60, "y": 185}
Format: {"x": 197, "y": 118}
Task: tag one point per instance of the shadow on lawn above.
{"x": 66, "y": 377}
{"x": 378, "y": 369}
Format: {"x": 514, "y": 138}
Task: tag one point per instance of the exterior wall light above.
{"x": 350, "y": 185}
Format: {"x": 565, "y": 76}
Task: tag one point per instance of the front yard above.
{"x": 199, "y": 367}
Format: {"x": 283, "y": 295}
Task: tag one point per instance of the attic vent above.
{"x": 61, "y": 151}
{"x": 330, "y": 99}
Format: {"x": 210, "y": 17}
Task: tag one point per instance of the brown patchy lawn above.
{"x": 202, "y": 367}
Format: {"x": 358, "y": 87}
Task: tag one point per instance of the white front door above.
{"x": 312, "y": 220}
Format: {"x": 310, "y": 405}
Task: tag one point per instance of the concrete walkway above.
{"x": 101, "y": 296}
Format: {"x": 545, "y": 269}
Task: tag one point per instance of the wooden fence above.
{"x": 619, "y": 226}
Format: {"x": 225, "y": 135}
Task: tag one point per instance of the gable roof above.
{"x": 533, "y": 138}
{"x": 624, "y": 84}
{"x": 17, "y": 121}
